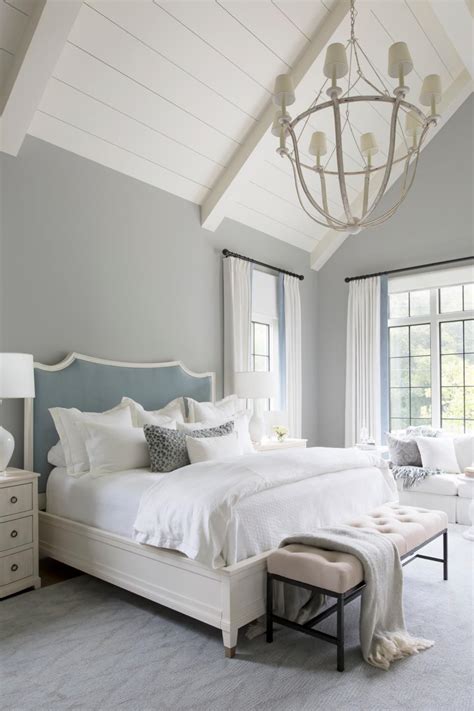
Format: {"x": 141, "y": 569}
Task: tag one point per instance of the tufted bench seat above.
{"x": 341, "y": 575}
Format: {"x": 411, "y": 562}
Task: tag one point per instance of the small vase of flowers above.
{"x": 281, "y": 432}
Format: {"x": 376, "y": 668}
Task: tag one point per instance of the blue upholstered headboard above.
{"x": 95, "y": 385}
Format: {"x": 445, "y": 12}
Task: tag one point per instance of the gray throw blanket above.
{"x": 413, "y": 475}
{"x": 383, "y": 635}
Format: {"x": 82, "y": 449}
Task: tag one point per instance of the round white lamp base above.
{"x": 7, "y": 445}
{"x": 256, "y": 428}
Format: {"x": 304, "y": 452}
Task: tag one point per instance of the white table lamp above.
{"x": 16, "y": 381}
{"x": 258, "y": 386}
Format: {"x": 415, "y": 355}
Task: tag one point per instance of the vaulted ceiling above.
{"x": 177, "y": 93}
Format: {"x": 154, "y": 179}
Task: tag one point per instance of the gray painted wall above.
{"x": 434, "y": 223}
{"x": 96, "y": 262}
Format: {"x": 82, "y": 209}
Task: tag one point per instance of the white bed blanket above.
{"x": 191, "y": 509}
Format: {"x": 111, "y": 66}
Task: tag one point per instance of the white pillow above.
{"x": 464, "y": 448}
{"x": 72, "y": 438}
{"x": 56, "y": 456}
{"x": 166, "y": 417}
{"x": 205, "y": 449}
{"x": 438, "y": 453}
{"x": 211, "y": 411}
{"x": 113, "y": 449}
{"x": 241, "y": 427}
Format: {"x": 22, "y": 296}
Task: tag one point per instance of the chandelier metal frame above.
{"x": 418, "y": 122}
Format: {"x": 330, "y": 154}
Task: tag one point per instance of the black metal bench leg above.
{"x": 269, "y": 608}
{"x": 445, "y": 555}
{"x": 340, "y": 633}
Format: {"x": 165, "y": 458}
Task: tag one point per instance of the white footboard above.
{"x": 227, "y": 598}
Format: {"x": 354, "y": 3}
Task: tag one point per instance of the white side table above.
{"x": 469, "y": 534}
{"x": 18, "y": 531}
{"x": 267, "y": 445}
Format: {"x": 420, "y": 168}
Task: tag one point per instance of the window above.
{"x": 457, "y": 375}
{"x": 264, "y": 326}
{"x": 260, "y": 346}
{"x": 431, "y": 356}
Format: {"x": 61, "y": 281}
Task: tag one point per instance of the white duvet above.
{"x": 198, "y": 510}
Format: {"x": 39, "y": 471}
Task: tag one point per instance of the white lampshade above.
{"x": 284, "y": 93}
{"x": 318, "y": 145}
{"x": 368, "y": 145}
{"x": 431, "y": 90}
{"x": 412, "y": 124}
{"x": 16, "y": 375}
{"x": 399, "y": 60}
{"x": 253, "y": 385}
{"x": 336, "y": 61}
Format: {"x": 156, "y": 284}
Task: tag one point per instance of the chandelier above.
{"x": 373, "y": 175}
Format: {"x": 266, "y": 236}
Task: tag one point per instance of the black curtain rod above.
{"x": 228, "y": 253}
{"x": 408, "y": 269}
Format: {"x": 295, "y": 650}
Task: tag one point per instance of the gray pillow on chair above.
{"x": 403, "y": 451}
{"x": 168, "y": 447}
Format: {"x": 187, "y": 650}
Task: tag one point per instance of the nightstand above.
{"x": 18, "y": 531}
{"x": 268, "y": 444}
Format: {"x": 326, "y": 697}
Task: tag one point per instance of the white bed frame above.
{"x": 226, "y": 598}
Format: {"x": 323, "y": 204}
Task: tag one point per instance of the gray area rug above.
{"x": 84, "y": 644}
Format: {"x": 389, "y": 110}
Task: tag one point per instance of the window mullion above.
{"x": 435, "y": 360}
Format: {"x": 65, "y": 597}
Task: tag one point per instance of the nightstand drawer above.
{"x": 16, "y": 566}
{"x": 16, "y": 533}
{"x": 15, "y": 499}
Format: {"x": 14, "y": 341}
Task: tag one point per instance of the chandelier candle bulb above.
{"x": 412, "y": 126}
{"x": 318, "y": 145}
{"x": 368, "y": 145}
{"x": 400, "y": 62}
{"x": 276, "y": 125}
{"x": 431, "y": 92}
{"x": 335, "y": 65}
{"x": 284, "y": 92}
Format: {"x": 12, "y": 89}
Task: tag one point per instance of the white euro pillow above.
{"x": 438, "y": 453}
{"x": 241, "y": 427}
{"x": 464, "y": 448}
{"x": 165, "y": 417}
{"x": 205, "y": 449}
{"x": 71, "y": 436}
{"x": 211, "y": 411}
{"x": 112, "y": 449}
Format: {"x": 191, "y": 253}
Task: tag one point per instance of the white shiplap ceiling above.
{"x": 177, "y": 93}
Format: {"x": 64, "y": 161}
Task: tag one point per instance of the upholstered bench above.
{"x": 340, "y": 575}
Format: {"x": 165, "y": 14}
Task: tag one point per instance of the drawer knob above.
{"x": 14, "y": 533}
{"x": 13, "y": 500}
{"x": 14, "y": 567}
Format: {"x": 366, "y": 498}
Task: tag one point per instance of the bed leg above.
{"x": 230, "y": 641}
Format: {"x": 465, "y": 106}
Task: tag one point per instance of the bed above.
{"x": 88, "y": 523}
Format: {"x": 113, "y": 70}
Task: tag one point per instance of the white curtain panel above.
{"x": 363, "y": 392}
{"x": 293, "y": 354}
{"x": 237, "y": 316}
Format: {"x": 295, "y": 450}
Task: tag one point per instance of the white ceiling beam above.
{"x": 48, "y": 29}
{"x": 458, "y": 23}
{"x": 455, "y": 95}
{"x": 213, "y": 209}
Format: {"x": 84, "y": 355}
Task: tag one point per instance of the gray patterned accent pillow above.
{"x": 403, "y": 451}
{"x": 168, "y": 447}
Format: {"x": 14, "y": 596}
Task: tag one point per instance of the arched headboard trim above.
{"x": 96, "y": 384}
